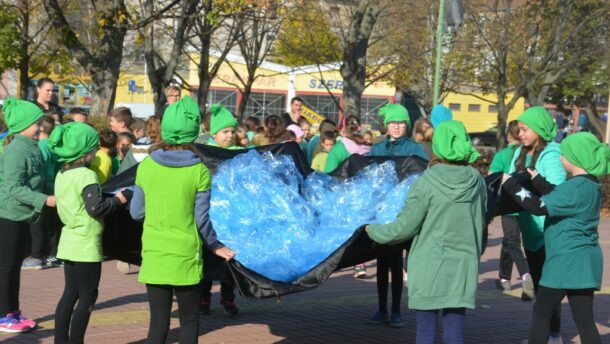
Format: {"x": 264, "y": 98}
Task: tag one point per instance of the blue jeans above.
{"x": 453, "y": 325}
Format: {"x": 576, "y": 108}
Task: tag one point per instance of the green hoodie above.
{"x": 444, "y": 214}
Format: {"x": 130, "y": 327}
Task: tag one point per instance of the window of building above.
{"x": 455, "y": 106}
{"x": 474, "y": 108}
{"x": 228, "y": 99}
{"x": 493, "y": 109}
{"x": 369, "y": 107}
{"x": 264, "y": 104}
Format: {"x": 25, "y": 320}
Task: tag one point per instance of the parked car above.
{"x": 485, "y": 138}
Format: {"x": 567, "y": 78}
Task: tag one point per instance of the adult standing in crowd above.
{"x": 43, "y": 97}
{"x": 294, "y": 115}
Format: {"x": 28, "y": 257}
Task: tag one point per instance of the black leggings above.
{"x": 511, "y": 251}
{"x": 160, "y": 301}
{"x": 392, "y": 262}
{"x": 227, "y": 290}
{"x": 13, "y": 249}
{"x": 44, "y": 234}
{"x": 581, "y": 302}
{"x": 535, "y": 261}
{"x": 82, "y": 281}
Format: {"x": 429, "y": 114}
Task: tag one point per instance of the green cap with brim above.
{"x": 451, "y": 142}
{"x": 180, "y": 123}
{"x": 73, "y": 141}
{"x": 20, "y": 114}
{"x": 585, "y": 151}
{"x": 221, "y": 118}
{"x": 539, "y": 120}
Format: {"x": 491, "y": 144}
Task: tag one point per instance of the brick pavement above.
{"x": 333, "y": 313}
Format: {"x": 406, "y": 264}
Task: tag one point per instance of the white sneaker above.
{"x": 556, "y": 340}
{"x": 123, "y": 267}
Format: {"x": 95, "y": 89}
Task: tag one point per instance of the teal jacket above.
{"x": 22, "y": 173}
{"x": 549, "y": 166}
{"x": 444, "y": 214}
{"x": 52, "y": 166}
{"x": 401, "y": 147}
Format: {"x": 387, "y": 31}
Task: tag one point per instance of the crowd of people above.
{"x": 52, "y": 209}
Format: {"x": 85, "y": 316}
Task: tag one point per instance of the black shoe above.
{"x": 229, "y": 306}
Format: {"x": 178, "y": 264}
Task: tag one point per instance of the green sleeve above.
{"x": 15, "y": 174}
{"x": 551, "y": 168}
{"x": 336, "y": 156}
{"x": 127, "y": 162}
{"x": 562, "y": 201}
{"x": 408, "y": 222}
{"x": 501, "y": 160}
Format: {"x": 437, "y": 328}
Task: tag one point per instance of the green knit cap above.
{"x": 73, "y": 141}
{"x": 221, "y": 118}
{"x": 451, "y": 142}
{"x": 394, "y": 113}
{"x": 20, "y": 114}
{"x": 585, "y": 151}
{"x": 181, "y": 122}
{"x": 539, "y": 120}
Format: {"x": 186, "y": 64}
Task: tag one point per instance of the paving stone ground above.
{"x": 333, "y": 313}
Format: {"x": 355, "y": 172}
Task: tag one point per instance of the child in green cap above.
{"x": 222, "y": 128}
{"x": 537, "y": 131}
{"x": 172, "y": 195}
{"x": 22, "y": 200}
{"x": 444, "y": 213}
{"x": 574, "y": 261}
{"x": 81, "y": 208}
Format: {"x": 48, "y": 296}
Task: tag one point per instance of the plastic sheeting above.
{"x": 282, "y": 224}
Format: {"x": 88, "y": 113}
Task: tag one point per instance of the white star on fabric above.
{"x": 523, "y": 194}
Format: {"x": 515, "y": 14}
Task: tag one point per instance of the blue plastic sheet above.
{"x": 282, "y": 225}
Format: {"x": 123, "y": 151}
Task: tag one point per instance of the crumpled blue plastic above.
{"x": 282, "y": 225}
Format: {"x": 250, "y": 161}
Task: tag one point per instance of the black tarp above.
{"x": 122, "y": 235}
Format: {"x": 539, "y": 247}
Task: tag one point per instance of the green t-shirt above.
{"x": 574, "y": 259}
{"x": 52, "y": 167}
{"x": 81, "y": 236}
{"x": 171, "y": 246}
{"x": 502, "y": 159}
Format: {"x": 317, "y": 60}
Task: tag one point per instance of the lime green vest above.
{"x": 171, "y": 247}
{"x": 81, "y": 236}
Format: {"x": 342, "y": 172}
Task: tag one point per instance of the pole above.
{"x": 439, "y": 47}
{"x": 608, "y": 122}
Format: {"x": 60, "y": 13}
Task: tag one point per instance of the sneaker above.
{"x": 229, "y": 306}
{"x": 54, "y": 262}
{"x": 11, "y": 325}
{"x": 17, "y": 316}
{"x": 123, "y": 267}
{"x": 360, "y": 271}
{"x": 204, "y": 307}
{"x": 555, "y": 338}
{"x": 527, "y": 287}
{"x": 32, "y": 264}
{"x": 396, "y": 320}
{"x": 378, "y": 318}
{"x": 503, "y": 284}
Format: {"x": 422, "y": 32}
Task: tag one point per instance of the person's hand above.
{"x": 121, "y": 197}
{"x": 505, "y": 177}
{"x": 51, "y": 202}
{"x": 533, "y": 172}
{"x": 225, "y": 253}
{"x": 366, "y": 228}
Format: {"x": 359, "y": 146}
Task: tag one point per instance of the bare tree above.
{"x": 161, "y": 62}
{"x": 102, "y": 58}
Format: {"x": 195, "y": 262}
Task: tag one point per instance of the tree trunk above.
{"x": 24, "y": 64}
{"x": 353, "y": 68}
{"x": 103, "y": 86}
{"x": 245, "y": 95}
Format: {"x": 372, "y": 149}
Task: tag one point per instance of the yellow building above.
{"x": 477, "y": 114}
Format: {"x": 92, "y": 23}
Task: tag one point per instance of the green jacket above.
{"x": 22, "y": 173}
{"x": 549, "y": 166}
{"x": 444, "y": 214}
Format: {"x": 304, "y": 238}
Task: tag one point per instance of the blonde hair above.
{"x": 171, "y": 89}
{"x": 424, "y": 128}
